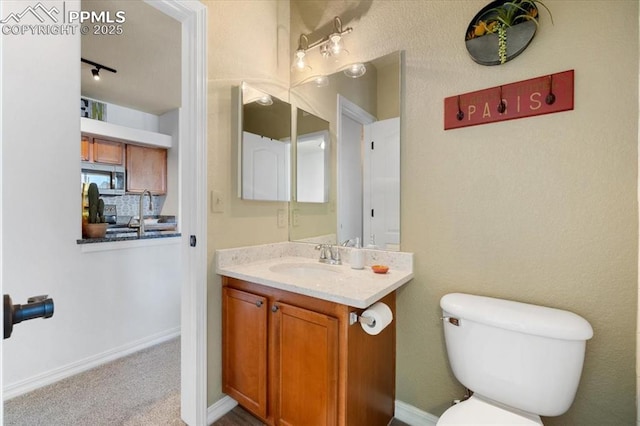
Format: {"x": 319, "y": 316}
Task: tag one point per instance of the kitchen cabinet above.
{"x": 99, "y": 150}
{"x": 146, "y": 168}
{"x": 295, "y": 360}
{"x": 85, "y": 148}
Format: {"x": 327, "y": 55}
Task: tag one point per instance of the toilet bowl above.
{"x": 521, "y": 361}
{"x": 476, "y": 411}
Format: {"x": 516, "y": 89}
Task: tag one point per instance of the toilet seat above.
{"x": 476, "y": 411}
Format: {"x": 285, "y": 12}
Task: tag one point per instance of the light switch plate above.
{"x": 217, "y": 202}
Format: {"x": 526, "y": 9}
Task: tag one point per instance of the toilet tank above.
{"x": 525, "y": 356}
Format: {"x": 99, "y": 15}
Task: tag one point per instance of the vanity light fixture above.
{"x": 95, "y": 72}
{"x": 330, "y": 45}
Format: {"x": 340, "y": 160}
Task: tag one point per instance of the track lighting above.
{"x": 330, "y": 45}
{"x": 95, "y": 72}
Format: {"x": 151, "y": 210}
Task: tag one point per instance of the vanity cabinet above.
{"x": 99, "y": 150}
{"x": 146, "y": 169}
{"x": 295, "y": 360}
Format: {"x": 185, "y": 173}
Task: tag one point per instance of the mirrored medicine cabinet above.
{"x": 265, "y": 146}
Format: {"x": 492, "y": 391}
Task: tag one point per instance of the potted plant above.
{"x": 95, "y": 226}
{"x": 502, "y": 30}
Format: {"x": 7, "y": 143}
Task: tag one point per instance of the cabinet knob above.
{"x": 259, "y": 303}
{"x": 275, "y": 308}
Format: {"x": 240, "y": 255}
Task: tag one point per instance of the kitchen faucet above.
{"x": 140, "y": 211}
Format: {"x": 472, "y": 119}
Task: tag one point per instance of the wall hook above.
{"x": 502, "y": 106}
{"x": 551, "y": 98}
{"x": 460, "y": 114}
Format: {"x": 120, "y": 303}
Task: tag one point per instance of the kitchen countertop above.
{"x": 129, "y": 236}
{"x": 359, "y": 288}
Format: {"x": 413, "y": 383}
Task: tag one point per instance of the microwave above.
{"x": 109, "y": 178}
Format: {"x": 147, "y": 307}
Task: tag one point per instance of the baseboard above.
{"x": 52, "y": 376}
{"x": 404, "y": 412}
{"x": 413, "y": 416}
{"x": 220, "y": 408}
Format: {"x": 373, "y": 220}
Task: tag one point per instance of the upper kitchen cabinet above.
{"x": 106, "y": 151}
{"x": 101, "y": 150}
{"x": 85, "y": 148}
{"x": 146, "y": 168}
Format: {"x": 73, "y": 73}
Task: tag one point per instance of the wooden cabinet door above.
{"x": 106, "y": 151}
{"x": 85, "y": 148}
{"x": 244, "y": 349}
{"x": 146, "y": 169}
{"x": 307, "y": 353}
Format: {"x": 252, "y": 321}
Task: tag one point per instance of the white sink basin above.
{"x": 308, "y": 270}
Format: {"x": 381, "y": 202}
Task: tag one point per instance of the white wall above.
{"x": 123, "y": 116}
{"x": 105, "y": 302}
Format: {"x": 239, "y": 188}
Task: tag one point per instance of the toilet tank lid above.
{"x": 517, "y": 316}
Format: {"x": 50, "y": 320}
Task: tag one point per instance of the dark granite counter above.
{"x": 130, "y": 236}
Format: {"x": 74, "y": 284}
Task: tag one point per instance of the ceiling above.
{"x": 146, "y": 57}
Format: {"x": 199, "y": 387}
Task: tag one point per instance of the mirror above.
{"x": 364, "y": 128}
{"x": 265, "y": 146}
{"x": 312, "y": 158}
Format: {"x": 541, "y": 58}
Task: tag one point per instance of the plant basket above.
{"x": 484, "y": 50}
{"x": 94, "y": 230}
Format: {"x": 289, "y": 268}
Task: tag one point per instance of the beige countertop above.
{"x": 294, "y": 267}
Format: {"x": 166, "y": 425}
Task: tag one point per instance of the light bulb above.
{"x": 265, "y": 100}
{"x": 355, "y": 70}
{"x": 335, "y": 47}
{"x": 321, "y": 81}
{"x": 299, "y": 60}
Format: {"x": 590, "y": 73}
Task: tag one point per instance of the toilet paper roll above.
{"x": 382, "y": 315}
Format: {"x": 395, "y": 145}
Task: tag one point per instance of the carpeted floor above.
{"x": 140, "y": 389}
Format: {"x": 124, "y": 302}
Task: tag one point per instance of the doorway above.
{"x": 368, "y": 177}
{"x": 193, "y": 207}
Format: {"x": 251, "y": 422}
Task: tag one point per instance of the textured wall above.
{"x": 541, "y": 209}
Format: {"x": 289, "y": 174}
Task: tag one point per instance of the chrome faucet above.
{"x": 140, "y": 211}
{"x": 329, "y": 254}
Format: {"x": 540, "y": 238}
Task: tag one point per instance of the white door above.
{"x": 265, "y": 168}
{"x": 350, "y": 180}
{"x": 382, "y": 184}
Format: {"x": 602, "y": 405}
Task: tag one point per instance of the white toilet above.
{"x": 521, "y": 361}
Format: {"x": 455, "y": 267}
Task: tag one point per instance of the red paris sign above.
{"x": 536, "y": 96}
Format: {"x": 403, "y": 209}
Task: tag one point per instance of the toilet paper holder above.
{"x": 354, "y": 318}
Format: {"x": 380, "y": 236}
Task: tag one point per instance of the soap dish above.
{"x": 380, "y": 269}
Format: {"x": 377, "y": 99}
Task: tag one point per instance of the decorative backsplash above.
{"x": 127, "y": 205}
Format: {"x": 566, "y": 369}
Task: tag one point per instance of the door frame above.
{"x": 193, "y": 206}
{"x": 348, "y": 108}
